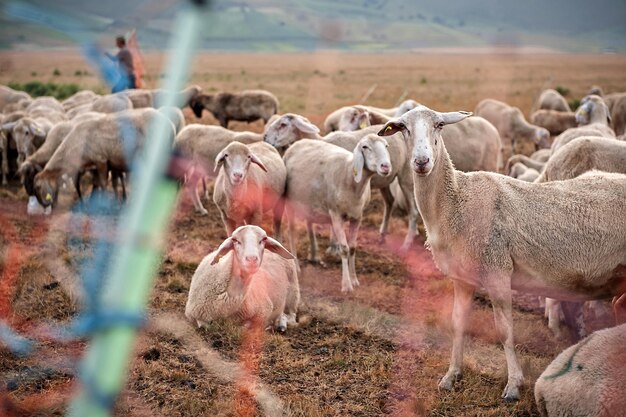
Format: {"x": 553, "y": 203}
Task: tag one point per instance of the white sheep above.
{"x": 327, "y": 184}
{"x": 246, "y": 106}
{"x": 78, "y": 99}
{"x": 199, "y": 145}
{"x": 486, "y": 229}
{"x": 551, "y": 100}
{"x": 358, "y": 116}
{"x": 523, "y": 173}
{"x": 9, "y": 96}
{"x": 243, "y": 191}
{"x": 587, "y": 379}
{"x": 251, "y": 277}
{"x": 517, "y": 135}
{"x": 104, "y": 144}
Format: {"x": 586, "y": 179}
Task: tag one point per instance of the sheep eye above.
{"x": 365, "y": 147}
{"x": 439, "y": 125}
{"x": 249, "y": 157}
{"x": 235, "y": 240}
{"x": 283, "y": 125}
{"x": 263, "y": 240}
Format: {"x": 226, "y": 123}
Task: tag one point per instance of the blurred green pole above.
{"x": 141, "y": 233}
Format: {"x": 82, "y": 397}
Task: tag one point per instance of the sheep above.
{"x": 551, "y": 100}
{"x": 46, "y": 104}
{"x": 282, "y": 131}
{"x": 103, "y": 144}
{"x": 143, "y": 98}
{"x": 251, "y": 277}
{"x": 584, "y": 154}
{"x": 618, "y": 112}
{"x": 35, "y": 162}
{"x": 400, "y": 173}
{"x": 9, "y": 96}
{"x": 517, "y": 135}
{"x": 586, "y": 379}
{"x": 327, "y": 184}
{"x": 175, "y": 115}
{"x": 78, "y": 99}
{"x": 17, "y": 106}
{"x": 29, "y": 134}
{"x": 555, "y": 121}
{"x": 523, "y": 173}
{"x": 245, "y": 106}
{"x": 199, "y": 145}
{"x": 355, "y": 117}
{"x": 7, "y": 141}
{"x": 243, "y": 191}
{"x": 491, "y": 230}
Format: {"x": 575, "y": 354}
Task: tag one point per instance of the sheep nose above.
{"x": 385, "y": 168}
{"x": 252, "y": 259}
{"x": 421, "y": 161}
{"x": 237, "y": 175}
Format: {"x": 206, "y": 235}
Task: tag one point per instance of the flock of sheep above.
{"x": 506, "y": 204}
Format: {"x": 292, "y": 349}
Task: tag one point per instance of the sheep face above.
{"x": 421, "y": 127}
{"x": 25, "y": 132}
{"x": 287, "y": 129}
{"x": 371, "y": 152}
{"x": 542, "y": 137}
{"x": 249, "y": 243}
{"x": 236, "y": 159}
{"x": 354, "y": 118}
{"x": 46, "y": 187}
{"x": 28, "y": 171}
{"x": 592, "y": 108}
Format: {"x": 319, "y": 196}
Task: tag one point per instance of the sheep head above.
{"x": 372, "y": 153}
{"x": 287, "y": 129}
{"x": 421, "y": 127}
{"x": 236, "y": 159}
{"x": 249, "y": 243}
{"x": 46, "y": 187}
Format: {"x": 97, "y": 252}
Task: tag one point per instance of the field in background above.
{"x": 379, "y": 351}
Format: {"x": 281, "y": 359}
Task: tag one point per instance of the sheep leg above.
{"x": 388, "y": 203}
{"x": 553, "y": 311}
{"x": 290, "y": 217}
{"x": 195, "y": 197}
{"x": 77, "y": 186}
{"x": 313, "y": 248}
{"x": 406, "y": 186}
{"x": 5, "y": 159}
{"x": 463, "y": 296}
{"x": 277, "y": 212}
{"x": 353, "y": 230}
{"x": 500, "y": 293}
{"x": 333, "y": 247}
{"x": 337, "y": 223}
{"x": 573, "y": 315}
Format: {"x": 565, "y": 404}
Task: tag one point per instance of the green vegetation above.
{"x": 574, "y": 103}
{"x": 564, "y": 91}
{"x": 56, "y": 72}
{"x": 37, "y": 89}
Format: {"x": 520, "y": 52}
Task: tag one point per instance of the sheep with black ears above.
{"x": 497, "y": 232}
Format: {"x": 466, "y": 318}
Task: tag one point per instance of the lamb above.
{"x": 586, "y": 379}
{"x": 245, "y": 106}
{"x": 555, "y": 121}
{"x": 551, "y": 100}
{"x": 243, "y": 191}
{"x": 327, "y": 184}
{"x": 517, "y": 135}
{"x": 584, "y": 154}
{"x": 251, "y": 277}
{"x": 103, "y": 144}
{"x": 491, "y": 230}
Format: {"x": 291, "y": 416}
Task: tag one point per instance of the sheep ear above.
{"x": 224, "y": 248}
{"x": 273, "y": 245}
{"x": 377, "y": 118}
{"x": 391, "y": 128}
{"x": 36, "y": 130}
{"x": 7, "y": 127}
{"x": 219, "y": 160}
{"x": 255, "y": 159}
{"x": 197, "y": 107}
{"x": 455, "y": 116}
{"x": 358, "y": 163}
{"x": 608, "y": 114}
{"x": 305, "y": 126}
{"x": 364, "y": 120}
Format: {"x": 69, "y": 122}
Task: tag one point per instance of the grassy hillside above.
{"x": 571, "y": 25}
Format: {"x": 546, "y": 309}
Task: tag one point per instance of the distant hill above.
{"x": 360, "y": 25}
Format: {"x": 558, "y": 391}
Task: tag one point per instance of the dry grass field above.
{"x": 379, "y": 351}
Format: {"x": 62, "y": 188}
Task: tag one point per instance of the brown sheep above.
{"x": 245, "y": 106}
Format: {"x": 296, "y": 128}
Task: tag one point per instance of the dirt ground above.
{"x": 379, "y": 351}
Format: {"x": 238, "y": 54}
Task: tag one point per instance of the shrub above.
{"x": 564, "y": 91}
{"x": 574, "y": 103}
{"x": 56, "y": 72}
{"x": 37, "y": 89}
